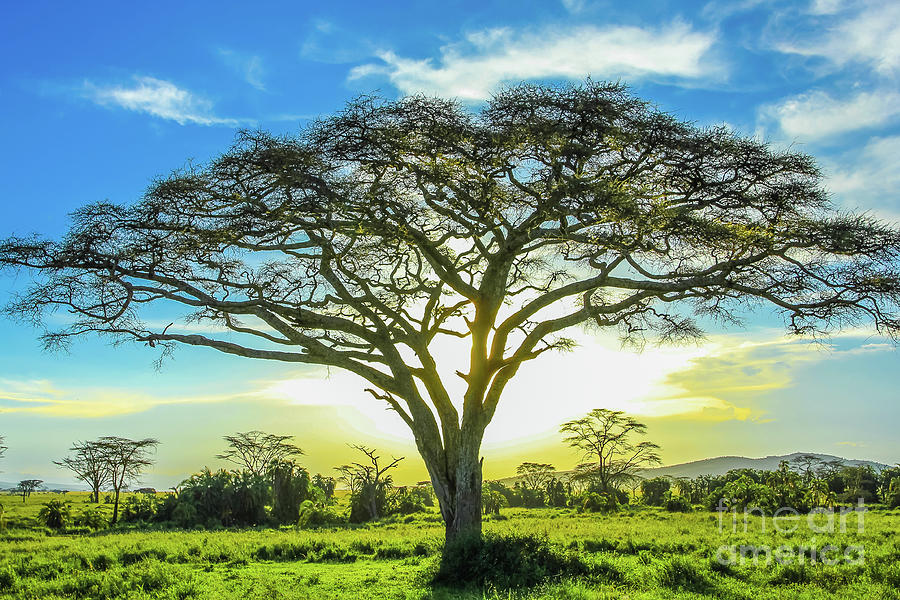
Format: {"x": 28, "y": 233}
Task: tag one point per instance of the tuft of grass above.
{"x": 680, "y": 572}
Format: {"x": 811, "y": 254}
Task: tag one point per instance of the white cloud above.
{"x": 574, "y": 6}
{"x": 817, "y": 115}
{"x": 472, "y": 68}
{"x": 327, "y": 42}
{"x": 250, "y": 67}
{"x": 159, "y": 98}
{"x": 870, "y": 36}
{"x": 825, "y": 7}
{"x": 869, "y": 177}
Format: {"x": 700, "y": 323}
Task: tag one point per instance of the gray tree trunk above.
{"x": 458, "y": 489}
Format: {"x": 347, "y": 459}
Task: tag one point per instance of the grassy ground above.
{"x": 639, "y": 554}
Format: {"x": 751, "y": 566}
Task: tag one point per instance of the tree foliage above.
{"x": 534, "y": 476}
{"x": 611, "y": 454}
{"x": 26, "y": 486}
{"x": 290, "y": 487}
{"x": 369, "y": 483}
{"x": 257, "y": 451}
{"x": 361, "y": 241}
{"x": 90, "y": 464}
{"x": 653, "y": 491}
{"x": 126, "y": 460}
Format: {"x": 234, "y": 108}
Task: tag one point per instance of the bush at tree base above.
{"x": 505, "y": 562}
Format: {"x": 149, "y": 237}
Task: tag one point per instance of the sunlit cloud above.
{"x": 474, "y": 67}
{"x": 159, "y": 98}
{"x": 716, "y": 381}
{"x": 734, "y": 374}
{"x": 817, "y": 115}
{"x": 48, "y": 399}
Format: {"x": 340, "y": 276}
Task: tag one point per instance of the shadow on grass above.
{"x": 513, "y": 562}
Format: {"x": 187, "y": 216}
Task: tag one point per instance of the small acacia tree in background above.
{"x": 807, "y": 465}
{"x": 89, "y": 464}
{"x": 256, "y": 451}
{"x": 610, "y": 453}
{"x": 534, "y": 476}
{"x": 126, "y": 460}
{"x": 368, "y": 484}
{"x": 26, "y": 486}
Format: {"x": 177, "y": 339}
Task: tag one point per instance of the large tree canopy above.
{"x": 372, "y": 233}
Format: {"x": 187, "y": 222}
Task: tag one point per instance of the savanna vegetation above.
{"x": 635, "y": 552}
{"x": 267, "y": 529}
{"x": 376, "y": 232}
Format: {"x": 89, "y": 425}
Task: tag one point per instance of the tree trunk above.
{"x": 115, "y": 516}
{"x": 458, "y": 488}
{"x": 467, "y": 514}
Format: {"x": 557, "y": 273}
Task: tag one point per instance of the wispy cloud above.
{"x": 159, "y": 98}
{"x": 869, "y": 176}
{"x": 574, "y": 6}
{"x": 327, "y": 42}
{"x": 817, "y": 115}
{"x": 727, "y": 380}
{"x": 248, "y": 66}
{"x": 473, "y": 68}
{"x": 867, "y": 33}
{"x": 46, "y": 398}
{"x": 825, "y": 7}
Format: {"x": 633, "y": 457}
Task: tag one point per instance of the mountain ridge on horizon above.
{"x": 720, "y": 465}
{"x": 723, "y": 464}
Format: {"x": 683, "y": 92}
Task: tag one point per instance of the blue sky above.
{"x": 97, "y": 100}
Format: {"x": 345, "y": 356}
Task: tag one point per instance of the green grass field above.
{"x": 637, "y": 553}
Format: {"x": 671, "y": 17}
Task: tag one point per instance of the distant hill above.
{"x": 722, "y": 464}
{"x": 49, "y": 485}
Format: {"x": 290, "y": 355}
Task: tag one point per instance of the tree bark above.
{"x": 458, "y": 488}
{"x": 115, "y": 517}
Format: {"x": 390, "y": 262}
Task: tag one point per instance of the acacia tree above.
{"x": 26, "y": 486}
{"x": 257, "y": 451}
{"x": 369, "y": 482}
{"x": 90, "y": 464}
{"x": 610, "y": 453}
{"x": 534, "y": 476}
{"x": 126, "y": 460}
{"x": 807, "y": 464}
{"x": 373, "y": 233}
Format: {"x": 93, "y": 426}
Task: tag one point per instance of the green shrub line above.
{"x": 638, "y": 552}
